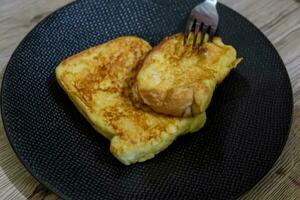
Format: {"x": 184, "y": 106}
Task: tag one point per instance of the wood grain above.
{"x": 280, "y": 22}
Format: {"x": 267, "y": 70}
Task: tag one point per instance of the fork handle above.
{"x": 213, "y": 2}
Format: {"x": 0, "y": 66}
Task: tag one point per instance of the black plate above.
{"x": 248, "y": 119}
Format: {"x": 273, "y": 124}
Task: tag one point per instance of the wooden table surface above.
{"x": 279, "y": 20}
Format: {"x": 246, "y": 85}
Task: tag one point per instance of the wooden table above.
{"x": 278, "y": 19}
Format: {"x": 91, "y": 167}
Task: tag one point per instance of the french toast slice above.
{"x": 178, "y": 80}
{"x": 98, "y": 81}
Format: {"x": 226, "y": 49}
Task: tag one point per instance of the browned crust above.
{"x": 136, "y": 134}
{"x": 184, "y": 100}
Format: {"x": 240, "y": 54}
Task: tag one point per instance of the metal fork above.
{"x": 204, "y": 17}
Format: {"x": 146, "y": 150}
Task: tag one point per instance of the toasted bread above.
{"x": 178, "y": 80}
{"x": 98, "y": 82}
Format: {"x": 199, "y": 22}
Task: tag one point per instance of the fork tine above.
{"x": 203, "y": 33}
{"x": 197, "y": 28}
{"x": 212, "y": 34}
{"x": 188, "y": 30}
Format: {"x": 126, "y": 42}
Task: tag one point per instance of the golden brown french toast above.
{"x": 178, "y": 80}
{"x": 98, "y": 81}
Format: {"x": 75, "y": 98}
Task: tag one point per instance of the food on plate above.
{"x": 178, "y": 80}
{"x": 99, "y": 81}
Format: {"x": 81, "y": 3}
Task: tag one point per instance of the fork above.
{"x": 204, "y": 17}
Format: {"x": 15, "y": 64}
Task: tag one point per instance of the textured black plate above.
{"x": 248, "y": 119}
